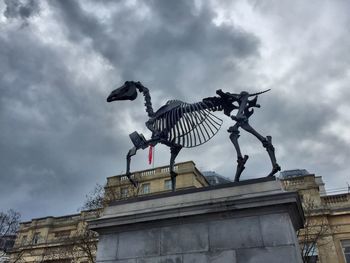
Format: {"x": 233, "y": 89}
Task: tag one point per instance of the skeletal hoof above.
{"x": 275, "y": 169}
{"x": 240, "y": 167}
{"x": 134, "y": 182}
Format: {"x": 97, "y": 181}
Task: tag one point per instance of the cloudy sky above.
{"x": 60, "y": 59}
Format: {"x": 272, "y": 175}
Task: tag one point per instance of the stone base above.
{"x": 252, "y": 221}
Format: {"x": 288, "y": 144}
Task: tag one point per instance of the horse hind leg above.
{"x": 240, "y": 159}
{"x": 267, "y": 144}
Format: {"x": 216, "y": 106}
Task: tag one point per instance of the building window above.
{"x": 145, "y": 188}
{"x": 24, "y": 240}
{"x": 345, "y": 244}
{"x": 310, "y": 253}
{"x": 62, "y": 234}
{"x": 124, "y": 192}
{"x": 9, "y": 244}
{"x": 167, "y": 184}
{"x": 36, "y": 238}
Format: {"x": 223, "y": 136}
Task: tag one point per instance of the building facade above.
{"x": 326, "y": 236}
{"x": 154, "y": 181}
{"x": 66, "y": 239}
{"x": 56, "y": 239}
{"x": 6, "y": 244}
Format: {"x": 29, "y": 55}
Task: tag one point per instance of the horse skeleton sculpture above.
{"x": 176, "y": 124}
{"x": 241, "y": 102}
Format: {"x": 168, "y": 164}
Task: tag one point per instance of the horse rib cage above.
{"x": 188, "y": 125}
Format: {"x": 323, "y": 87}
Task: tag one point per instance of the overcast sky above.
{"x": 59, "y": 60}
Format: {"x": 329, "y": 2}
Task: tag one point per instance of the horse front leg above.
{"x": 139, "y": 142}
{"x": 174, "y": 151}
{"x": 131, "y": 153}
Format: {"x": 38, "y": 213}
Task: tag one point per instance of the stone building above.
{"x": 6, "y": 244}
{"x": 66, "y": 238}
{"x": 326, "y": 237}
{"x": 56, "y": 239}
{"x": 155, "y": 180}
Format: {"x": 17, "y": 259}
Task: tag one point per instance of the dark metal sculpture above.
{"x": 228, "y": 102}
{"x": 176, "y": 124}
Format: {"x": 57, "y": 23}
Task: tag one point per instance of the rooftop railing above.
{"x": 336, "y": 199}
{"x": 164, "y": 170}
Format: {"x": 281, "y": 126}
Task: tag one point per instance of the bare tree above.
{"x": 101, "y": 197}
{"x": 95, "y": 200}
{"x": 85, "y": 244}
{"x": 85, "y": 240}
{"x": 9, "y": 224}
{"x": 316, "y": 228}
{"x": 79, "y": 245}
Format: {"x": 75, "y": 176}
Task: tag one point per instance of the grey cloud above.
{"x": 309, "y": 95}
{"x": 21, "y": 8}
{"x": 52, "y": 129}
{"x": 164, "y": 50}
{"x": 58, "y": 136}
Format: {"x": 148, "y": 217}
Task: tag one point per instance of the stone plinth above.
{"x": 246, "y": 222}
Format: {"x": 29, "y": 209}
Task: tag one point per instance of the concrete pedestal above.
{"x": 246, "y": 222}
